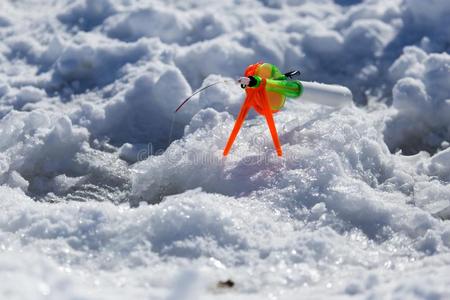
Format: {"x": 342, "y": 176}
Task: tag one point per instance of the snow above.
{"x": 105, "y": 193}
{"x": 420, "y": 96}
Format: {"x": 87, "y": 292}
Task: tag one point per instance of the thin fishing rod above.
{"x": 198, "y": 91}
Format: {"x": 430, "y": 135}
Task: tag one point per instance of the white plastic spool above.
{"x": 326, "y": 94}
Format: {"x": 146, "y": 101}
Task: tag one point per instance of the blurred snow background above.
{"x": 106, "y": 195}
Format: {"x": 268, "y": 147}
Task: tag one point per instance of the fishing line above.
{"x": 171, "y": 129}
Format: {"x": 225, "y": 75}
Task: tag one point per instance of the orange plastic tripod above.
{"x": 256, "y": 98}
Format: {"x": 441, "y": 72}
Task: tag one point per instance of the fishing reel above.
{"x": 247, "y": 81}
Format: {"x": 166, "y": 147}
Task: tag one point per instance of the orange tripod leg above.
{"x": 270, "y": 122}
{"x": 238, "y": 124}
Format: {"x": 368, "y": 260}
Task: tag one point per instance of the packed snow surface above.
{"x": 105, "y": 193}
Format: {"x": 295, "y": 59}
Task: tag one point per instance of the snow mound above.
{"x": 86, "y": 14}
{"x": 36, "y": 145}
{"x": 421, "y": 97}
{"x": 145, "y": 112}
{"x": 155, "y": 22}
{"x": 81, "y": 67}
